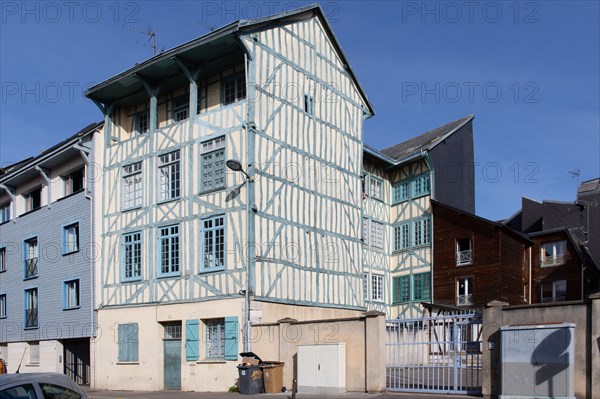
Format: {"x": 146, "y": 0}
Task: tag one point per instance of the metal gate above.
{"x": 439, "y": 354}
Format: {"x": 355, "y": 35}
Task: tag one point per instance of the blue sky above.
{"x": 528, "y": 70}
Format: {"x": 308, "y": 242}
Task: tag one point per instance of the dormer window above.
{"x": 234, "y": 88}
{"x": 179, "y": 108}
{"x": 33, "y": 200}
{"x": 553, "y": 253}
{"x": 74, "y": 182}
{"x": 142, "y": 122}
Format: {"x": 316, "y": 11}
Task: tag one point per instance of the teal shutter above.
{"x": 133, "y": 342}
{"x": 191, "y": 340}
{"x": 128, "y": 342}
{"x": 231, "y": 338}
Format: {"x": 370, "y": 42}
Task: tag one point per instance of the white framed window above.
{"x": 71, "y": 238}
{"x": 213, "y": 243}
{"x": 141, "y": 122}
{"x": 3, "y": 306}
{"x": 401, "y": 236}
{"x": 215, "y": 338}
{"x": 2, "y": 259}
{"x": 132, "y": 256}
{"x": 373, "y": 233}
{"x": 376, "y": 188}
{"x": 180, "y": 108}
{"x": 33, "y": 199}
{"x": 464, "y": 291}
{"x": 31, "y": 308}
{"x": 213, "y": 164}
{"x": 34, "y": 352}
{"x": 553, "y": 291}
{"x": 74, "y": 181}
{"x": 170, "y": 176}
{"x": 553, "y": 253}
{"x": 377, "y": 284}
{"x": 4, "y": 212}
{"x": 422, "y": 232}
{"x": 30, "y": 248}
{"x": 169, "y": 250}
{"x": 234, "y": 88}
{"x": 172, "y": 330}
{"x": 71, "y": 294}
{"x": 132, "y": 185}
{"x": 464, "y": 251}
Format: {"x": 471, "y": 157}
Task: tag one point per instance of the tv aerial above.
{"x": 150, "y": 42}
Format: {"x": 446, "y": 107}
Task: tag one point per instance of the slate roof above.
{"x": 425, "y": 141}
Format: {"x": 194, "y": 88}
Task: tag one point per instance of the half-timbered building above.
{"x": 231, "y": 194}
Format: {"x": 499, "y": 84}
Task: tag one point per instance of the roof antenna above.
{"x": 575, "y": 175}
{"x": 21, "y": 362}
{"x": 151, "y": 42}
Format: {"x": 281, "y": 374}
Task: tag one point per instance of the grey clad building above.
{"x": 47, "y": 256}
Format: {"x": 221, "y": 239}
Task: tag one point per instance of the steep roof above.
{"x": 202, "y": 50}
{"x": 425, "y": 141}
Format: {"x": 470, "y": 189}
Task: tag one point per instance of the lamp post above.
{"x": 236, "y": 166}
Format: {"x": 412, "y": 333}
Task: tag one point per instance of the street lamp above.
{"x": 236, "y": 166}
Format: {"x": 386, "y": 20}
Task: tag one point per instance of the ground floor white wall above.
{"x": 204, "y": 375}
{"x": 50, "y": 357}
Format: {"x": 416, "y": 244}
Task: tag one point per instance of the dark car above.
{"x": 39, "y": 386}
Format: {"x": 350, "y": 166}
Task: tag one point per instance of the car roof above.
{"x": 49, "y": 378}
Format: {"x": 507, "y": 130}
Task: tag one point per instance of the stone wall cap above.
{"x": 287, "y": 320}
{"x": 497, "y": 304}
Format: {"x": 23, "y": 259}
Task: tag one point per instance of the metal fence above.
{"x": 439, "y": 354}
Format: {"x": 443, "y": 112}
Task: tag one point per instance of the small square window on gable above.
{"x": 180, "y": 108}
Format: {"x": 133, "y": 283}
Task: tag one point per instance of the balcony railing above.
{"x": 466, "y": 299}
{"x": 31, "y": 318}
{"x": 553, "y": 260}
{"x": 464, "y": 257}
{"x": 31, "y": 267}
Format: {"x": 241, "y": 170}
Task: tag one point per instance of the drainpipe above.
{"x": 530, "y": 266}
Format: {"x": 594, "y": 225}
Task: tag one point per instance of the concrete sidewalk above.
{"x": 228, "y": 395}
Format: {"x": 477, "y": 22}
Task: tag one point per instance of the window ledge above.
{"x": 552, "y": 265}
{"x": 6, "y": 221}
{"x": 135, "y": 208}
{"x": 212, "y": 190}
{"x": 128, "y": 363}
{"x": 30, "y": 277}
{"x": 32, "y": 365}
{"x": 129, "y": 281}
{"x": 212, "y": 361}
{"x": 165, "y": 276}
{"x": 31, "y": 328}
{"x": 73, "y": 308}
{"x": 464, "y": 264}
{"x": 70, "y": 253}
{"x": 162, "y": 202}
{"x": 212, "y": 270}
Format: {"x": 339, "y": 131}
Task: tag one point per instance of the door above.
{"x": 172, "y": 366}
{"x": 76, "y": 355}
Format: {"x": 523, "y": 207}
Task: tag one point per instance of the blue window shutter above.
{"x": 122, "y": 346}
{"x": 191, "y": 340}
{"x": 133, "y": 342}
{"x": 231, "y": 338}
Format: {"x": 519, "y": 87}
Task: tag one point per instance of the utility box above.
{"x": 537, "y": 361}
{"x": 322, "y": 368}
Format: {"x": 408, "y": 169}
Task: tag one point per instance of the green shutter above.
{"x": 191, "y": 340}
{"x": 231, "y": 338}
